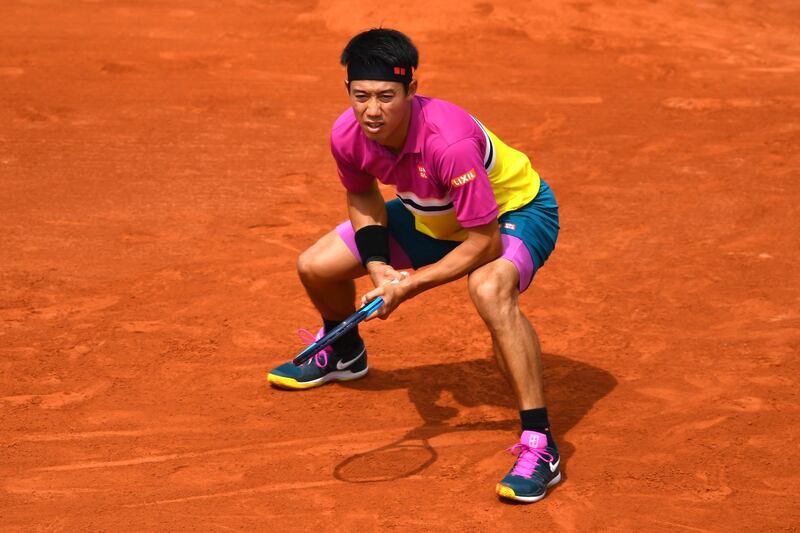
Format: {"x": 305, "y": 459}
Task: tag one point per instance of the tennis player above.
{"x": 467, "y": 205}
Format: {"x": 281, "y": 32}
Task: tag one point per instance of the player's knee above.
{"x": 489, "y": 290}
{"x": 483, "y": 293}
{"x": 308, "y": 265}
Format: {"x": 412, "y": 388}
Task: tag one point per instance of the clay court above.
{"x": 163, "y": 163}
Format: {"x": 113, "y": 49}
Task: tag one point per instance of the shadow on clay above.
{"x": 572, "y": 388}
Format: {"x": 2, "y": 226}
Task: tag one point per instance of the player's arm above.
{"x": 481, "y": 246}
{"x": 366, "y": 208}
{"x": 367, "y": 212}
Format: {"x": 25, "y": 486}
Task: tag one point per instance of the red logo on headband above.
{"x": 399, "y": 71}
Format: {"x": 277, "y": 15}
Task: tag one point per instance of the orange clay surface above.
{"x": 163, "y": 163}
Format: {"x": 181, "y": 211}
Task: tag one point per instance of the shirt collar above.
{"x": 414, "y": 137}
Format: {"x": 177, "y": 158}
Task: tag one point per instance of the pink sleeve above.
{"x": 354, "y": 179}
{"x": 463, "y": 174}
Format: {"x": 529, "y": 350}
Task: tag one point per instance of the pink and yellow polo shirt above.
{"x": 453, "y": 173}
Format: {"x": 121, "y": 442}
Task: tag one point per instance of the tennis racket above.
{"x": 331, "y": 336}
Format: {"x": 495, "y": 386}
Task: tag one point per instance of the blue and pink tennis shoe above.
{"x": 326, "y": 366}
{"x": 536, "y": 469}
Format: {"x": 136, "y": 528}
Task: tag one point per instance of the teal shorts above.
{"x": 528, "y": 235}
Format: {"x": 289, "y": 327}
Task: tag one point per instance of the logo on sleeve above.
{"x": 422, "y": 172}
{"x": 463, "y": 179}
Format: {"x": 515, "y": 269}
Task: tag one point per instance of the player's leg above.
{"x": 327, "y": 270}
{"x": 494, "y": 289}
{"x": 529, "y": 236}
{"x": 500, "y": 363}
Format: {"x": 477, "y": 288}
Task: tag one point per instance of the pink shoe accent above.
{"x": 321, "y": 359}
{"x": 529, "y": 450}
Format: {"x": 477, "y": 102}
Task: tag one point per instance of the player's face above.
{"x": 383, "y": 108}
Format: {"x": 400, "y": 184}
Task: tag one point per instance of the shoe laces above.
{"x": 527, "y": 459}
{"x": 321, "y": 359}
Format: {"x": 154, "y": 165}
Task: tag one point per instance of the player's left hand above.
{"x": 381, "y": 273}
{"x": 393, "y": 292}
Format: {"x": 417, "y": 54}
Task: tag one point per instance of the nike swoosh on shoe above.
{"x": 341, "y": 365}
{"x": 554, "y": 467}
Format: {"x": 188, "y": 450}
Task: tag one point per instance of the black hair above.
{"x": 381, "y": 46}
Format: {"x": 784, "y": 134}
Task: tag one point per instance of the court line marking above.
{"x": 371, "y": 441}
{"x": 273, "y": 487}
{"x": 84, "y": 465}
{"x": 57, "y": 437}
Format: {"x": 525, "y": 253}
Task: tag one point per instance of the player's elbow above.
{"x": 486, "y": 242}
{"x": 494, "y": 249}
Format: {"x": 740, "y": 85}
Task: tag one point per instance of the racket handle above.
{"x": 330, "y": 337}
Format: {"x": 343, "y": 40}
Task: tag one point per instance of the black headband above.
{"x": 378, "y": 71}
